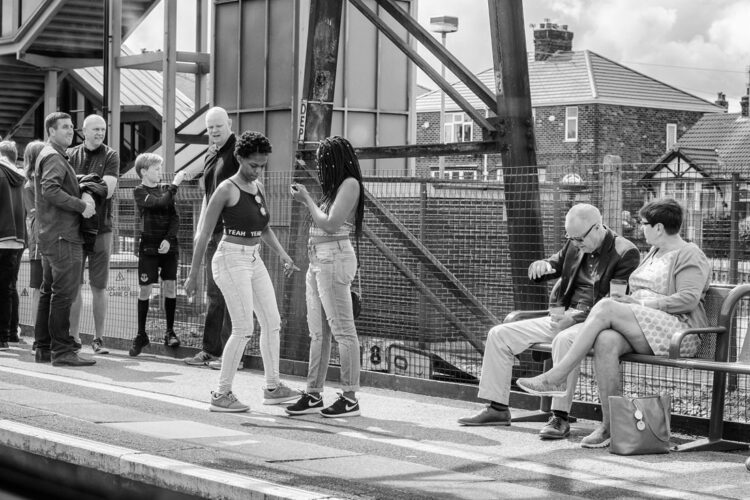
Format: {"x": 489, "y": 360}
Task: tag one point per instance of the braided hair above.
{"x": 337, "y": 161}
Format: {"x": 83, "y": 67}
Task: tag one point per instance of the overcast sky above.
{"x": 700, "y": 46}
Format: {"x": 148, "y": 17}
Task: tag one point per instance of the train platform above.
{"x": 143, "y": 424}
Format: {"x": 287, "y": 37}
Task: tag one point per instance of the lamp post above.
{"x": 443, "y": 25}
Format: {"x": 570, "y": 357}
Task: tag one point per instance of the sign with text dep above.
{"x": 302, "y": 120}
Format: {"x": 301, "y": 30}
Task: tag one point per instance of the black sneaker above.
{"x": 306, "y": 404}
{"x": 343, "y": 407}
{"x": 4, "y": 345}
{"x": 171, "y": 339}
{"x": 139, "y": 342}
{"x": 98, "y": 347}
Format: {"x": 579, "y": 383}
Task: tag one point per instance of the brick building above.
{"x": 698, "y": 171}
{"x": 585, "y": 107}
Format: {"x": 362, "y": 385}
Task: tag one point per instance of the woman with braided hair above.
{"x": 333, "y": 265}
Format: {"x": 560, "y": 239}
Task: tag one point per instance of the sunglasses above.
{"x": 579, "y": 239}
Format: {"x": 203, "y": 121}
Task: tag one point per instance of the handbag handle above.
{"x": 658, "y": 399}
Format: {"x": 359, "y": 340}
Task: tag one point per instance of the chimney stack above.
{"x": 721, "y": 100}
{"x": 550, "y": 38}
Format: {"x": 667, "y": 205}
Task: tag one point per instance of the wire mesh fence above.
{"x": 443, "y": 260}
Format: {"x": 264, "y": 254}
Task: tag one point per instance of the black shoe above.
{"x": 343, "y": 407}
{"x": 71, "y": 359}
{"x": 77, "y": 346}
{"x": 4, "y": 345}
{"x": 171, "y": 339}
{"x": 43, "y": 356}
{"x": 98, "y": 347}
{"x": 306, "y": 404}
{"x": 14, "y": 339}
{"x": 556, "y": 428}
{"x": 139, "y": 342}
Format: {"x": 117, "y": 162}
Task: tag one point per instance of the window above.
{"x": 571, "y": 124}
{"x": 671, "y": 135}
{"x": 458, "y": 128}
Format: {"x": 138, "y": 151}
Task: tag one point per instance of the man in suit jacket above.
{"x": 591, "y": 256}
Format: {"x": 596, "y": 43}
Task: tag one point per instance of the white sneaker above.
{"x": 226, "y": 403}
{"x": 281, "y": 394}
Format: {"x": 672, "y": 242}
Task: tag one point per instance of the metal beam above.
{"x": 58, "y": 62}
{"x": 50, "y": 93}
{"x": 28, "y": 114}
{"x": 320, "y": 69}
{"x": 113, "y": 94}
{"x": 419, "y": 150}
{"x": 520, "y": 176}
{"x": 188, "y": 62}
{"x": 201, "y": 45}
{"x": 406, "y": 270}
{"x": 169, "y": 75}
{"x": 412, "y": 54}
{"x": 34, "y": 26}
{"x": 191, "y": 139}
{"x": 444, "y": 56}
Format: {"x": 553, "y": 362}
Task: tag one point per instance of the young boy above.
{"x": 158, "y": 245}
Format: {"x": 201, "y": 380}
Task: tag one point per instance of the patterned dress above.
{"x": 649, "y": 281}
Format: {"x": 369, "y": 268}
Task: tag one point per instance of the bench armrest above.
{"x": 677, "y": 337}
{"x": 520, "y": 315}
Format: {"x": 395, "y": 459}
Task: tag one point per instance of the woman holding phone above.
{"x": 333, "y": 265}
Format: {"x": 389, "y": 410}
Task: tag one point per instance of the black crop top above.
{"x": 248, "y": 217}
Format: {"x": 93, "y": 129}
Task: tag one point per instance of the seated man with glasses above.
{"x": 591, "y": 256}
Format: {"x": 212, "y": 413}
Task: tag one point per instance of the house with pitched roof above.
{"x": 700, "y": 167}
{"x": 585, "y": 106}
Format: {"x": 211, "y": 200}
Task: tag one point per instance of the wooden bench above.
{"x": 722, "y": 302}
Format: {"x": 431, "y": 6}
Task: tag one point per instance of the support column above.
{"x": 612, "y": 193}
{"x": 201, "y": 46}
{"x": 315, "y": 124}
{"x": 320, "y": 68}
{"x": 521, "y": 179}
{"x": 50, "y": 93}
{"x": 169, "y": 75}
{"x": 113, "y": 94}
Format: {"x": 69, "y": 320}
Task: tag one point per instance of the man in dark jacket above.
{"x": 59, "y": 207}
{"x": 591, "y": 256}
{"x": 219, "y": 165}
{"x": 12, "y": 230}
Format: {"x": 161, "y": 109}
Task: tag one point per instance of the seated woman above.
{"x": 667, "y": 293}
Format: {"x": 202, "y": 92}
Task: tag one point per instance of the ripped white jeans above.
{"x": 241, "y": 274}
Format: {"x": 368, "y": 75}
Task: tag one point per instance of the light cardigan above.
{"x": 689, "y": 279}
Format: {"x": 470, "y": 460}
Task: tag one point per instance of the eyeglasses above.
{"x": 646, "y": 223}
{"x": 579, "y": 239}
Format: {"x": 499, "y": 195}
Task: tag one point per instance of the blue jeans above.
{"x": 61, "y": 279}
{"x": 328, "y": 291}
{"x": 241, "y": 273}
{"x": 9, "y": 259}
{"x": 218, "y": 326}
